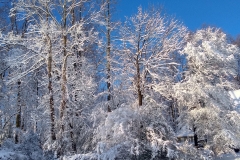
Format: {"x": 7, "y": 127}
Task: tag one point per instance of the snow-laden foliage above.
{"x": 75, "y": 86}
{"x": 51, "y": 52}
{"x": 132, "y": 131}
{"x": 29, "y": 148}
{"x": 202, "y": 96}
{"x": 148, "y": 40}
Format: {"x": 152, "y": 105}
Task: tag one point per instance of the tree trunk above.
{"x": 138, "y": 81}
{"x": 73, "y": 13}
{"x": 195, "y": 137}
{"x": 64, "y": 111}
{"x": 18, "y": 116}
{"x": 64, "y": 68}
{"x": 64, "y": 107}
{"x": 37, "y": 103}
{"x": 173, "y": 116}
{"x": 108, "y": 50}
{"x": 50, "y": 89}
{"x": 63, "y": 88}
{"x": 74, "y": 146}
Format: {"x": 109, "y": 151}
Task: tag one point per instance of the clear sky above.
{"x": 224, "y": 14}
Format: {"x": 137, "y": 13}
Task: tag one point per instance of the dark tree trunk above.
{"x": 74, "y": 147}
{"x": 139, "y": 91}
{"x": 195, "y": 137}
{"x": 50, "y": 87}
{"x": 18, "y": 117}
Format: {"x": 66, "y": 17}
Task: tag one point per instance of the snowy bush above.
{"x": 136, "y": 132}
{"x": 29, "y": 149}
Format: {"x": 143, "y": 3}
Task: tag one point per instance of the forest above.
{"x": 78, "y": 84}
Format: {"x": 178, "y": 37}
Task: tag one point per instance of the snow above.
{"x": 235, "y": 95}
{"x": 184, "y": 132}
{"x": 229, "y": 157}
{"x": 89, "y": 156}
{"x": 11, "y": 155}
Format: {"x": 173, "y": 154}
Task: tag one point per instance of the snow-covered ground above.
{"x": 28, "y": 149}
{"x": 10, "y": 155}
{"x": 229, "y": 157}
{"x": 6, "y": 154}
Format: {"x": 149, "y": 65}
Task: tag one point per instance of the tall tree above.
{"x": 43, "y": 48}
{"x": 108, "y": 50}
{"x": 107, "y": 27}
{"x": 148, "y": 40}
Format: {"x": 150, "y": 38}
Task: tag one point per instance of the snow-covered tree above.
{"x": 158, "y": 81}
{"x": 148, "y": 40}
{"x": 52, "y": 45}
{"x": 202, "y": 97}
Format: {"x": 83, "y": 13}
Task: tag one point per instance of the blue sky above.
{"x": 224, "y": 14}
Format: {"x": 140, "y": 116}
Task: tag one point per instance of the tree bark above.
{"x": 73, "y": 13}
{"x": 195, "y": 137}
{"x": 64, "y": 112}
{"x": 64, "y": 66}
{"x": 108, "y": 51}
{"x": 63, "y": 88}
{"x": 18, "y": 116}
{"x": 50, "y": 89}
{"x": 139, "y": 91}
